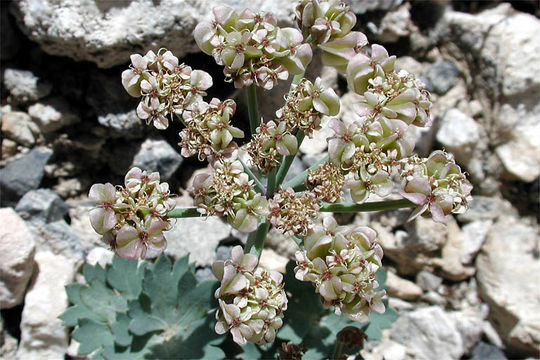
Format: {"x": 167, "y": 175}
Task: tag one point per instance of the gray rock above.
{"x": 204, "y": 274}
{"x": 318, "y": 143}
{"x": 126, "y": 125}
{"x": 23, "y": 174}
{"x": 443, "y": 75}
{"x": 107, "y": 32}
{"x": 363, "y": 6}
{"x": 474, "y": 234}
{"x": 470, "y": 324}
{"x": 158, "y": 155}
{"x": 507, "y": 274}
{"x": 512, "y": 72}
{"x": 24, "y": 86}
{"x": 223, "y": 252}
{"x": 484, "y": 208}
{"x": 483, "y": 351}
{"x": 459, "y": 134}
{"x": 43, "y": 335}
{"x": 428, "y": 281}
{"x": 42, "y": 205}
{"x": 197, "y": 237}
{"x": 53, "y": 114}
{"x": 60, "y": 238}
{"x": 395, "y": 24}
{"x": 16, "y": 258}
{"x": 296, "y": 168}
{"x": 99, "y": 255}
{"x": 8, "y": 344}
{"x": 428, "y": 334}
{"x": 9, "y": 148}
{"x": 18, "y": 126}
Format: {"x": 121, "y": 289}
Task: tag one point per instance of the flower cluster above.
{"x": 229, "y": 191}
{"x": 306, "y": 104}
{"x": 326, "y": 182}
{"x": 251, "y": 299}
{"x": 208, "y": 130}
{"x": 252, "y": 47}
{"x": 166, "y": 87}
{"x": 293, "y": 214}
{"x": 132, "y": 219}
{"x": 269, "y": 143}
{"x": 341, "y": 262}
{"x": 377, "y": 134}
{"x": 436, "y": 184}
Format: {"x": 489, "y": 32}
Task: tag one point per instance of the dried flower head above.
{"x": 293, "y": 214}
{"x": 326, "y": 182}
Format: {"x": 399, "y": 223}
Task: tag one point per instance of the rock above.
{"x": 80, "y": 223}
{"x": 512, "y": 71}
{"x": 8, "y": 345}
{"x": 473, "y": 236}
{"x": 412, "y": 250}
{"x": 402, "y": 288}
{"x": 223, "y": 252}
{"x": 428, "y": 281}
{"x": 107, "y": 32}
{"x": 23, "y": 174}
{"x": 428, "y": 333}
{"x": 454, "y": 251}
{"x": 297, "y": 167}
{"x": 483, "y": 351}
{"x": 281, "y": 244}
{"x": 18, "y": 126}
{"x": 459, "y": 134}
{"x": 197, "y": 237}
{"x": 67, "y": 188}
{"x": 60, "y": 238}
{"x": 507, "y": 274}
{"x": 434, "y": 298}
{"x": 318, "y": 143}
{"x": 394, "y": 25}
{"x": 99, "y": 255}
{"x": 43, "y": 335}
{"x": 42, "y": 205}
{"x": 9, "y": 148}
{"x": 386, "y": 350}
{"x": 126, "y": 125}
{"x": 484, "y": 208}
{"x": 158, "y": 155}
{"x": 442, "y": 75}
{"x": 24, "y": 86}
{"x": 16, "y": 258}
{"x": 270, "y": 260}
{"x": 363, "y": 6}
{"x": 469, "y": 324}
{"x": 53, "y": 114}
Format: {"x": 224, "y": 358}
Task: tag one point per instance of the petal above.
{"x": 102, "y": 193}
{"x": 102, "y": 220}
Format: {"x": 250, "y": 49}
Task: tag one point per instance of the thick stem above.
{"x": 287, "y": 162}
{"x": 338, "y": 348}
{"x": 298, "y": 182}
{"x": 258, "y": 184}
{"x": 253, "y": 108}
{"x": 255, "y": 242}
{"x": 369, "y": 206}
{"x": 271, "y": 183}
{"x": 184, "y": 213}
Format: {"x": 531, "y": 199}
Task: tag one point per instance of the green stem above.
{"x": 255, "y": 242}
{"x": 271, "y": 183}
{"x": 298, "y": 242}
{"x": 184, "y": 213}
{"x": 369, "y": 206}
{"x": 297, "y": 78}
{"x": 298, "y": 182}
{"x": 258, "y": 184}
{"x": 253, "y": 108}
{"x": 287, "y": 162}
{"x": 338, "y": 348}
{"x": 181, "y": 118}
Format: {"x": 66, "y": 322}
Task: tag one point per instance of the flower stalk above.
{"x": 369, "y": 206}
{"x": 253, "y": 108}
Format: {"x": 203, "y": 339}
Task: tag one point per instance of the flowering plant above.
{"x": 370, "y": 153}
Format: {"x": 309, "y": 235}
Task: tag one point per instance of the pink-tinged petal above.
{"x": 416, "y": 198}
{"x": 437, "y": 213}
{"x": 221, "y": 328}
{"x": 237, "y": 284}
{"x": 139, "y": 61}
{"x": 327, "y": 290}
{"x": 156, "y": 227}
{"x": 238, "y": 337}
{"x": 201, "y": 79}
{"x": 218, "y": 269}
{"x": 418, "y": 185}
{"x": 418, "y": 211}
{"x": 102, "y": 220}
{"x": 157, "y": 243}
{"x": 237, "y": 254}
{"x": 276, "y": 276}
{"x": 320, "y": 106}
{"x": 249, "y": 262}
{"x": 126, "y": 235}
{"x": 129, "y": 81}
{"x": 131, "y": 250}
{"x": 102, "y": 193}
{"x": 161, "y": 122}
{"x": 331, "y": 100}
{"x": 230, "y": 311}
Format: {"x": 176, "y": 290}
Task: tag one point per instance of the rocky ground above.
{"x": 467, "y": 290}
